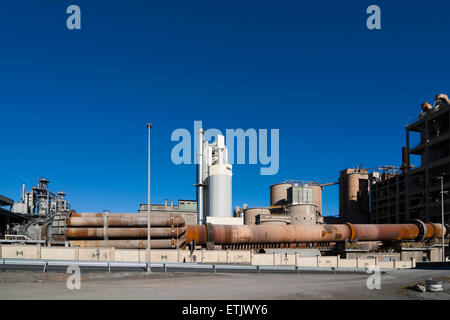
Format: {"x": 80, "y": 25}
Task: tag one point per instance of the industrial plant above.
{"x": 389, "y": 213}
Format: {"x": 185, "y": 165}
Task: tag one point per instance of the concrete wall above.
{"x": 197, "y": 256}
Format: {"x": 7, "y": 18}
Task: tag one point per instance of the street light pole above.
{"x": 442, "y": 204}
{"x": 149, "y": 269}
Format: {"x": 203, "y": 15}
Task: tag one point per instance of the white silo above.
{"x": 218, "y": 180}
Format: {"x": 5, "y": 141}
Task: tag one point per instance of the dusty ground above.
{"x": 16, "y": 284}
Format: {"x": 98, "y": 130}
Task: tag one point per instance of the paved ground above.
{"x": 16, "y": 284}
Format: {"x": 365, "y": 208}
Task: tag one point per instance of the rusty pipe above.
{"x": 434, "y": 230}
{"x": 124, "y": 233}
{"x": 125, "y": 221}
{"x": 221, "y": 234}
{"x": 129, "y": 244}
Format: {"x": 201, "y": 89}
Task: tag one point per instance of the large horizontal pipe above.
{"x": 125, "y": 221}
{"x": 123, "y": 233}
{"x": 224, "y": 234}
{"x": 129, "y": 244}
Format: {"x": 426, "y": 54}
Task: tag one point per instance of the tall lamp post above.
{"x": 442, "y": 212}
{"x": 149, "y": 269}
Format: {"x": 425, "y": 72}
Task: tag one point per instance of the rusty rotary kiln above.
{"x": 124, "y": 230}
{"x": 129, "y": 230}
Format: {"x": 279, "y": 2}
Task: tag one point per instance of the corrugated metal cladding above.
{"x": 300, "y": 195}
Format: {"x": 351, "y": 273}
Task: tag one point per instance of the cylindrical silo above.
{"x": 303, "y": 213}
{"x": 251, "y": 213}
{"x": 317, "y": 197}
{"x": 352, "y": 193}
{"x": 278, "y": 193}
{"x": 219, "y": 190}
{"x": 217, "y": 179}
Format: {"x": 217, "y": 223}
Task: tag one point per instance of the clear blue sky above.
{"x": 74, "y": 104}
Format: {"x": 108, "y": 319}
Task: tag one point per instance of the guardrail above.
{"x": 166, "y": 267}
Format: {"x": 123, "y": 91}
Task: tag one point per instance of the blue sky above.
{"x": 74, "y": 104}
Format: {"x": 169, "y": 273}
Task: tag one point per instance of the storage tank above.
{"x": 251, "y": 213}
{"x": 303, "y": 213}
{"x": 317, "y": 197}
{"x": 305, "y": 193}
{"x": 219, "y": 191}
{"x": 278, "y": 193}
{"x": 217, "y": 179}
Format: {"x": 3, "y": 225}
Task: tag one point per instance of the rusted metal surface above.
{"x": 123, "y": 233}
{"x": 223, "y": 234}
{"x": 196, "y": 233}
{"x": 125, "y": 220}
{"x": 434, "y": 230}
{"x": 298, "y": 245}
{"x": 380, "y": 232}
{"x": 269, "y": 233}
{"x": 129, "y": 244}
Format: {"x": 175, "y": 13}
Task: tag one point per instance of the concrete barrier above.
{"x": 263, "y": 259}
{"x": 127, "y": 255}
{"x": 306, "y": 261}
{"x": 215, "y": 256}
{"x": 327, "y": 262}
{"x": 185, "y": 256}
{"x": 96, "y": 254}
{"x": 55, "y": 253}
{"x": 21, "y": 251}
{"x": 347, "y": 263}
{"x": 385, "y": 264}
{"x": 196, "y": 256}
{"x": 366, "y": 263}
{"x": 405, "y": 264}
{"x": 239, "y": 257}
{"x": 164, "y": 256}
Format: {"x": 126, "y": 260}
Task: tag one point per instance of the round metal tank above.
{"x": 303, "y": 214}
{"x": 251, "y": 213}
{"x": 317, "y": 197}
{"x": 219, "y": 190}
{"x": 278, "y": 193}
{"x": 352, "y": 193}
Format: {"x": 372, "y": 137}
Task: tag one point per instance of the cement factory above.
{"x": 390, "y": 213}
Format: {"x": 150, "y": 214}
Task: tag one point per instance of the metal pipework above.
{"x": 224, "y": 234}
{"x": 123, "y": 233}
{"x": 123, "y": 220}
{"x": 129, "y": 244}
{"x": 200, "y": 177}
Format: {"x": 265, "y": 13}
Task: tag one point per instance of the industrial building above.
{"x": 187, "y": 209}
{"x": 415, "y": 192}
